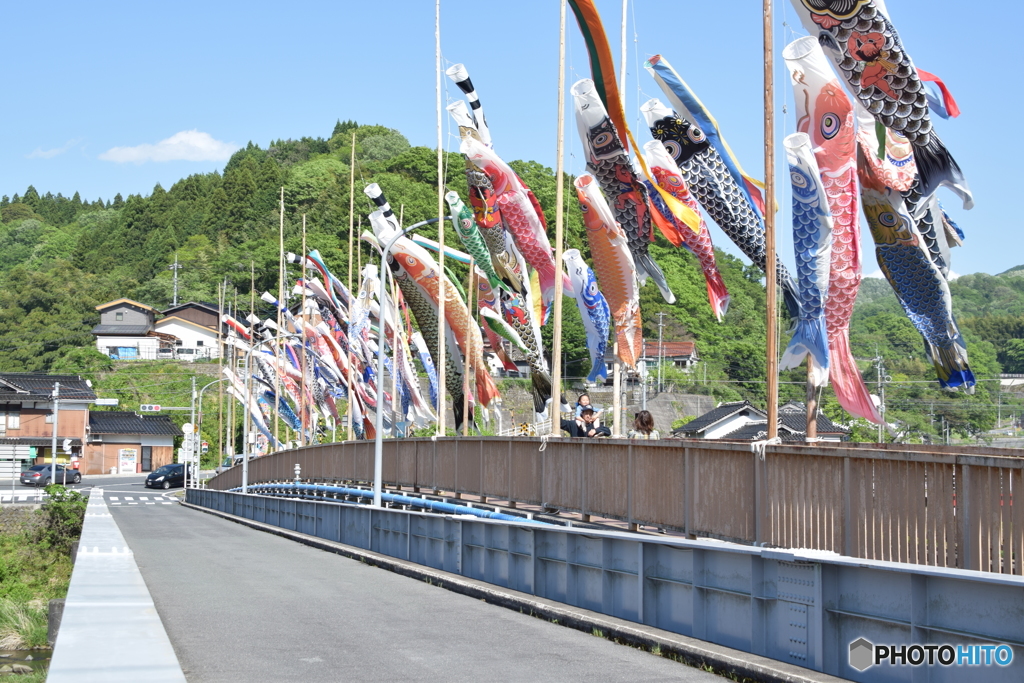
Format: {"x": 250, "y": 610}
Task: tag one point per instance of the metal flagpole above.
{"x": 469, "y": 356}
{"x": 395, "y": 354}
{"x": 302, "y": 321}
{"x": 556, "y": 340}
{"x": 350, "y": 434}
{"x": 439, "y": 361}
{"x": 769, "y": 224}
{"x": 281, "y": 302}
{"x": 220, "y": 361}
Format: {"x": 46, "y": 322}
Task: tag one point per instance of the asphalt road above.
{"x": 242, "y": 605}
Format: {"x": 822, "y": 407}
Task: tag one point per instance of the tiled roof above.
{"x": 798, "y": 422}
{"x": 758, "y": 431}
{"x": 126, "y": 422}
{"x": 129, "y": 302}
{"x": 122, "y": 330}
{"x": 715, "y": 415}
{"x": 212, "y": 308}
{"x": 669, "y": 349}
{"x": 21, "y": 386}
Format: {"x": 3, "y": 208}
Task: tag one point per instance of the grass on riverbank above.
{"x": 22, "y": 625}
{"x": 35, "y": 565}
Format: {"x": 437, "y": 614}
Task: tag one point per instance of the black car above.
{"x": 166, "y": 477}
{"x": 39, "y": 475}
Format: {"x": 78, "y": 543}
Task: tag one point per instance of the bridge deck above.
{"x": 242, "y": 605}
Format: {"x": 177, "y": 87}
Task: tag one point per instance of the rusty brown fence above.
{"x": 927, "y": 506}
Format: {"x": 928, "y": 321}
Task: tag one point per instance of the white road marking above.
{"x": 114, "y": 498}
{"x": 128, "y": 498}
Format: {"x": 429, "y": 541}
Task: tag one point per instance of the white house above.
{"x": 126, "y": 331}
{"x": 194, "y": 327}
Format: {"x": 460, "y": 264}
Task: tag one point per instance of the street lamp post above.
{"x": 378, "y": 446}
{"x": 199, "y": 422}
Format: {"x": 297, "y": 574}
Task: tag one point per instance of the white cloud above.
{"x": 39, "y": 153}
{"x": 952, "y": 276}
{"x": 188, "y": 145}
{"x": 878, "y": 274}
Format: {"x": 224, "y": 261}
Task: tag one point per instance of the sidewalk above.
{"x": 110, "y": 630}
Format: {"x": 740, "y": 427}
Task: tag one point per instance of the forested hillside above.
{"x": 60, "y": 257}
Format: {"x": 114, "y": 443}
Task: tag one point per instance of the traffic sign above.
{"x": 188, "y": 428}
{"x": 149, "y": 408}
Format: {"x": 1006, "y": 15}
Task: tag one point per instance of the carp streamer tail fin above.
{"x": 486, "y": 389}
{"x": 540, "y": 385}
{"x": 598, "y": 370}
{"x": 791, "y": 298}
{"x": 847, "y": 382}
{"x": 935, "y": 167}
{"x": 645, "y": 263}
{"x": 718, "y": 295}
{"x": 951, "y": 367}
{"x": 809, "y": 337}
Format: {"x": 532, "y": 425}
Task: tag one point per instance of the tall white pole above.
{"x": 350, "y": 433}
{"x": 281, "y": 301}
{"x": 441, "y": 402}
{"x": 556, "y": 341}
{"x": 192, "y": 442}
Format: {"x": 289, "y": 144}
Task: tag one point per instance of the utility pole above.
{"x": 175, "y": 268}
{"x": 53, "y": 443}
{"x": 661, "y": 349}
{"x": 882, "y": 379}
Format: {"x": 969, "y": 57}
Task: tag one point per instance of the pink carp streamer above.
{"x": 519, "y": 211}
{"x": 670, "y": 178}
{"x": 825, "y": 113}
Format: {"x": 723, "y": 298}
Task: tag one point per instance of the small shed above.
{"x": 128, "y": 442}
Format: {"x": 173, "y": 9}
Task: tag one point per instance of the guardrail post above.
{"x": 640, "y": 582}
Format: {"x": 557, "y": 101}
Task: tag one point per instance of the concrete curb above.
{"x": 697, "y": 653}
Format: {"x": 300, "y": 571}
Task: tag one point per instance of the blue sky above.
{"x": 98, "y": 92}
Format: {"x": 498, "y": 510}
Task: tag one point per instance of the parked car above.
{"x": 166, "y": 477}
{"x": 229, "y": 462}
{"x": 39, "y": 475}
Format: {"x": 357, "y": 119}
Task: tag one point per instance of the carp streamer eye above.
{"x": 602, "y": 139}
{"x": 696, "y": 134}
{"x": 592, "y": 289}
{"x": 830, "y": 126}
{"x": 673, "y": 148}
{"x": 798, "y": 179}
{"x": 888, "y": 219}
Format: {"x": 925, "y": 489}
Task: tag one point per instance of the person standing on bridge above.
{"x": 643, "y": 427}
